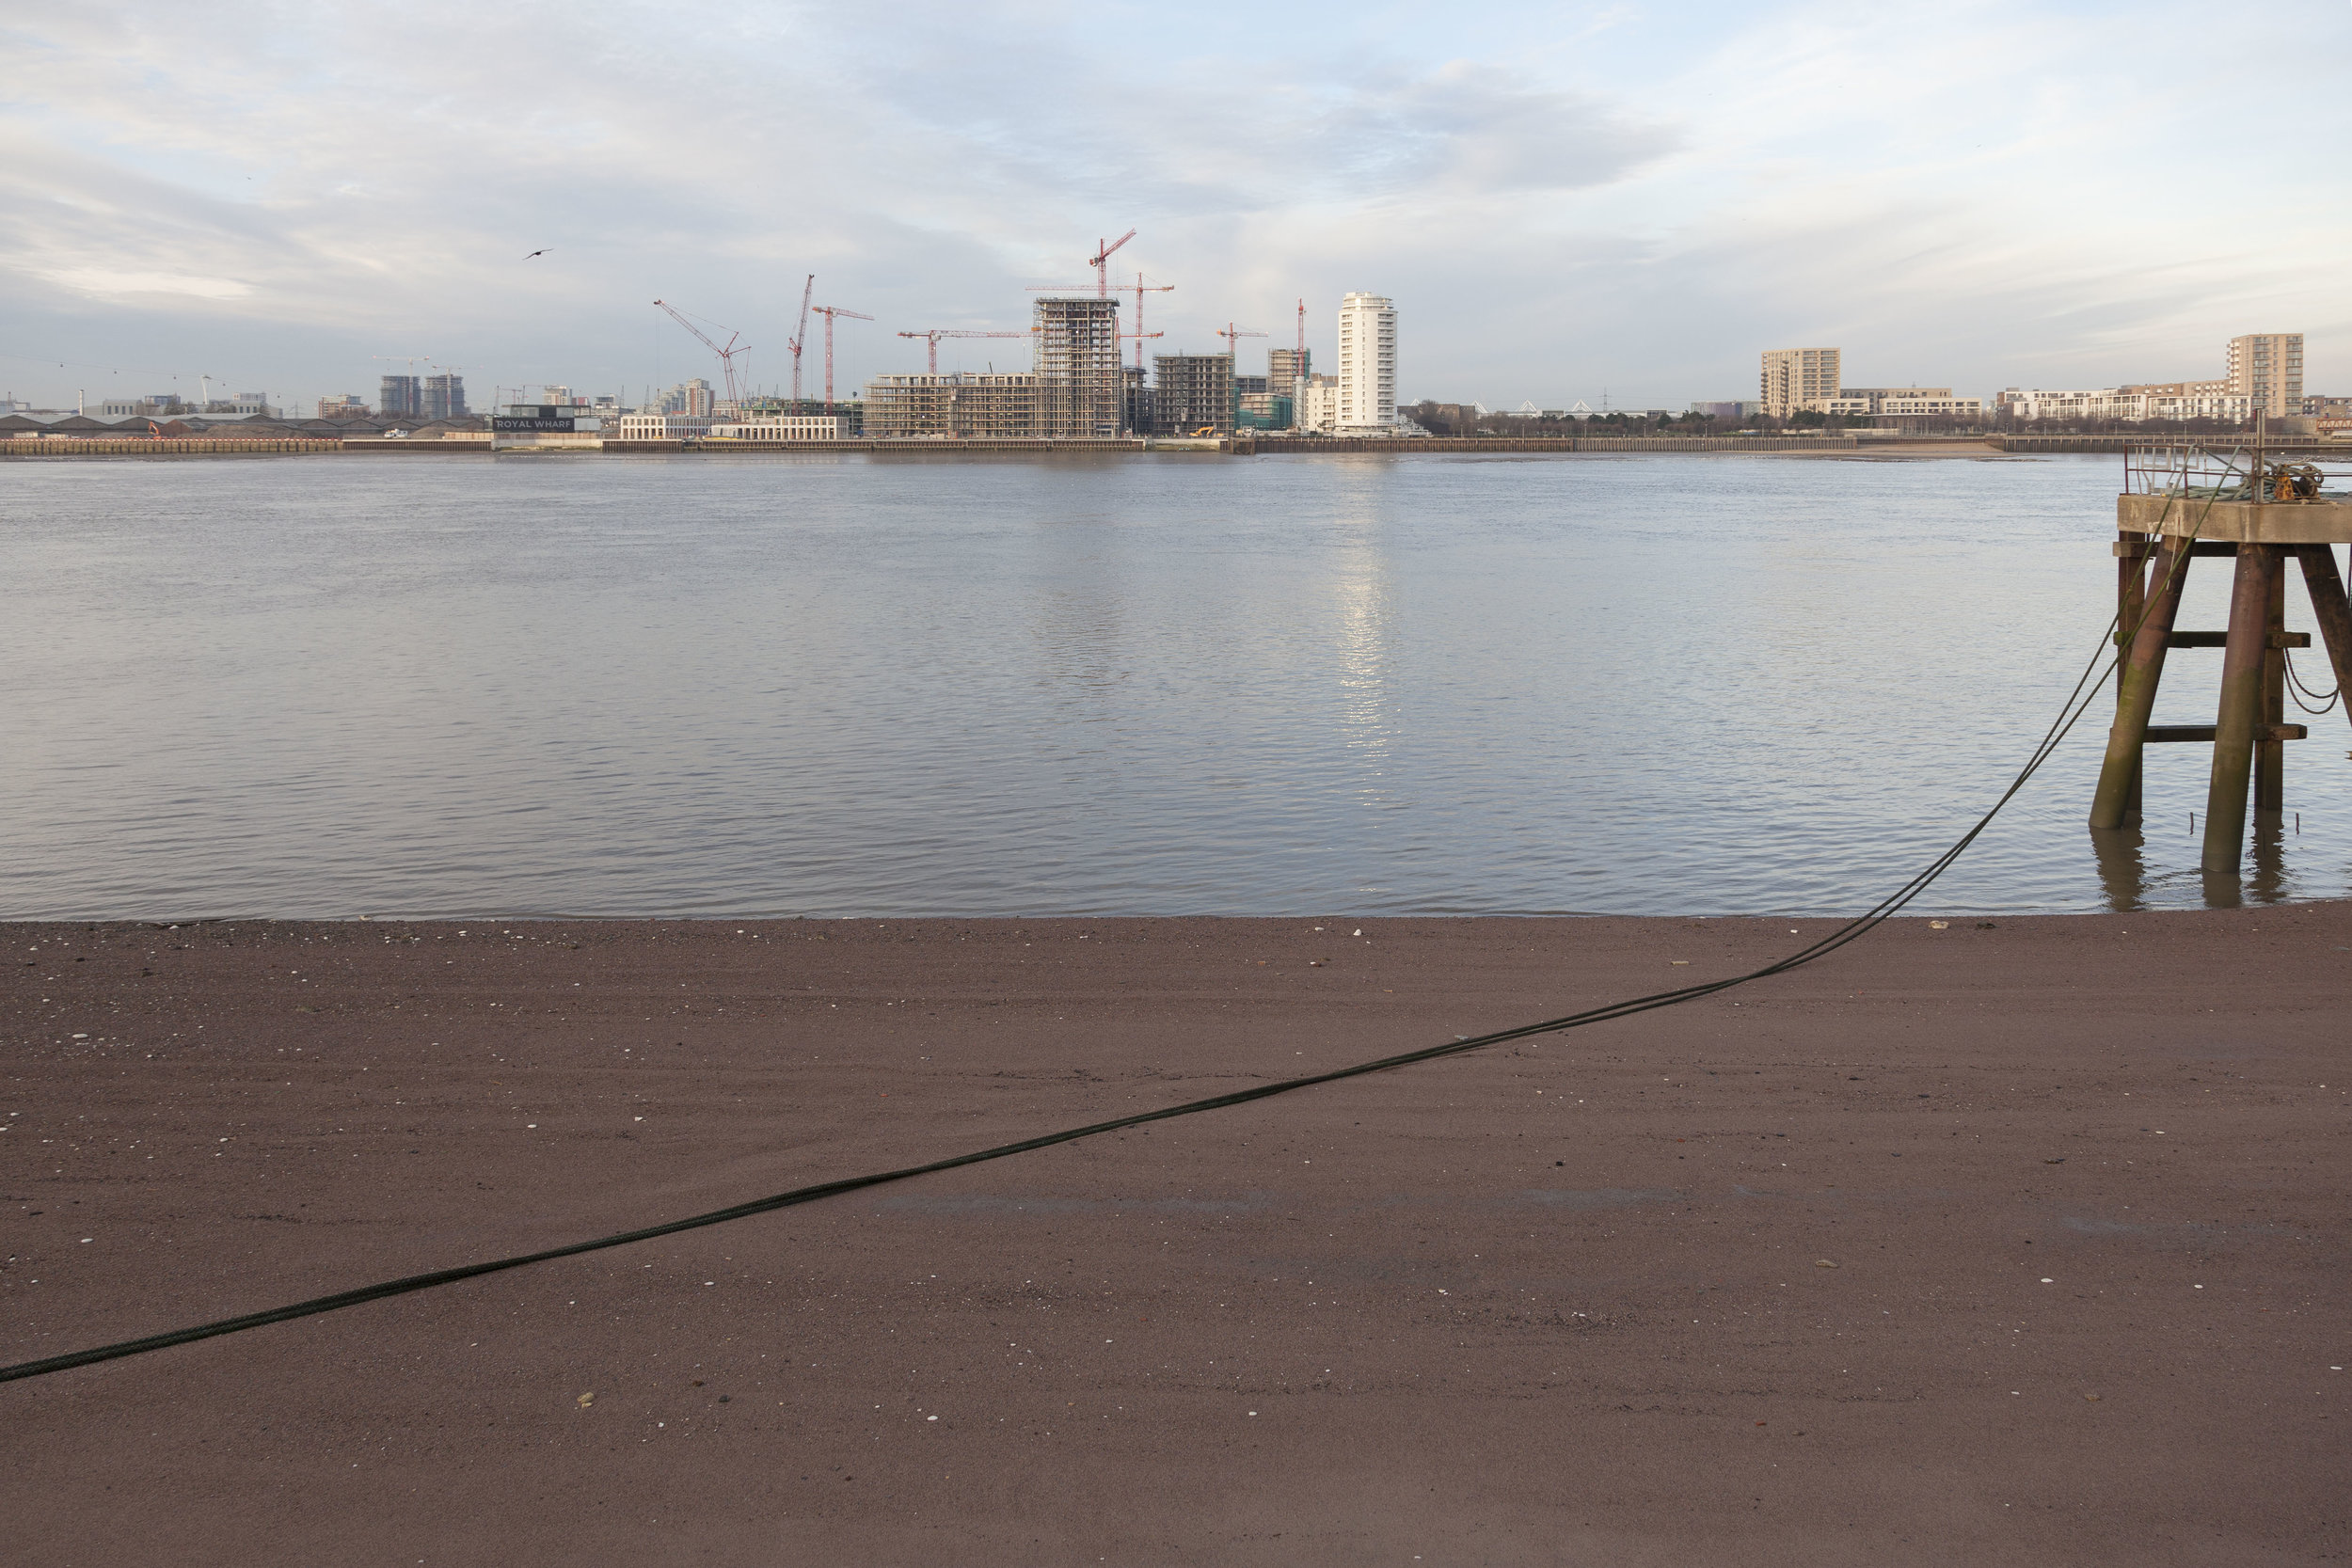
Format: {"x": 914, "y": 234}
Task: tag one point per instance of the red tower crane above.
{"x": 932, "y": 335}
{"x": 726, "y": 356}
{"x": 799, "y": 338}
{"x": 829, "y": 312}
{"x": 1139, "y": 288}
{"x": 1100, "y": 262}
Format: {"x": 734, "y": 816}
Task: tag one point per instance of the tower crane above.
{"x": 933, "y": 334}
{"x": 800, "y": 337}
{"x": 829, "y": 312}
{"x": 1139, "y": 288}
{"x": 1100, "y": 262}
{"x": 1232, "y": 335}
{"x": 726, "y": 356}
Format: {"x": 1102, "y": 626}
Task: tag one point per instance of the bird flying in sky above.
{"x": 534, "y": 253}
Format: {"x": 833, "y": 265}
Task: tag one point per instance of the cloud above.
{"x": 1640, "y": 199}
{"x": 103, "y": 283}
{"x": 1469, "y": 130}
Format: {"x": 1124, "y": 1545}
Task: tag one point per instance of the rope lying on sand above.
{"x": 2077, "y": 701}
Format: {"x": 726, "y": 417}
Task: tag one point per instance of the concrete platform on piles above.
{"x": 2320, "y": 521}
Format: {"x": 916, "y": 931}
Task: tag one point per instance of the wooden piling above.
{"x": 2131, "y": 603}
{"x": 2331, "y": 608}
{"x": 2135, "y": 688}
{"x": 2270, "y": 753}
{"x": 2242, "y": 663}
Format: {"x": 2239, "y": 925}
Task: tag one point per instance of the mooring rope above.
{"x": 2296, "y": 689}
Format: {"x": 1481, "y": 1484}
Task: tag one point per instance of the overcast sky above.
{"x": 1562, "y": 199}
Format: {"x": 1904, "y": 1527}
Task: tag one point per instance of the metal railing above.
{"x": 2239, "y": 472}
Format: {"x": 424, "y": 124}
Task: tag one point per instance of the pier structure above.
{"x": 2259, "y": 508}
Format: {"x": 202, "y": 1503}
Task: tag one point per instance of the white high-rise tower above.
{"x": 1367, "y": 365}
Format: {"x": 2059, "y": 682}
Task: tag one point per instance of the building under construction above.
{"x": 1139, "y": 419}
{"x": 1192, "y": 392}
{"x": 966, "y": 405}
{"x": 1081, "y": 388}
{"x": 1076, "y": 390}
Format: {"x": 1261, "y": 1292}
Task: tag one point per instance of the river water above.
{"x": 833, "y": 685}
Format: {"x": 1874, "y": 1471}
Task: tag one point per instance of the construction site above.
{"x": 1079, "y": 387}
{"x": 961, "y": 405}
{"x": 1077, "y": 390}
{"x": 1194, "y": 395}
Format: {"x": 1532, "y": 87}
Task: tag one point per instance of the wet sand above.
{"x": 1987, "y": 1245}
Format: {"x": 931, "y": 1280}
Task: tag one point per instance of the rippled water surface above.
{"x": 833, "y": 685}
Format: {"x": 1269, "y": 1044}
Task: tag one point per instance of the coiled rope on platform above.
{"x": 2112, "y": 652}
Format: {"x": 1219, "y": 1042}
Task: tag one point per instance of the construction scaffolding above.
{"x": 963, "y": 403}
{"x": 1081, "y": 389}
{"x": 1192, "y": 392}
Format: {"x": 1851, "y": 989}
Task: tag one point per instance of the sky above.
{"x": 1566, "y": 201}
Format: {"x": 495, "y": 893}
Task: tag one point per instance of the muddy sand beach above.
{"x": 2019, "y": 1242}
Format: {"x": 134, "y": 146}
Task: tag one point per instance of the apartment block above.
{"x": 662, "y": 427}
{"x": 1938, "y": 403}
{"x": 1139, "y": 402}
{"x": 2178, "y": 399}
{"x": 1318, "y": 408}
{"x": 400, "y": 395}
{"x": 1265, "y": 410}
{"x": 2268, "y": 368}
{"x": 784, "y": 427}
{"x": 968, "y": 404}
{"x": 1367, "y": 364}
{"x": 1082, "y": 388}
{"x": 1900, "y": 403}
{"x": 1192, "y": 392}
{"x": 445, "y": 397}
{"x": 1797, "y": 377}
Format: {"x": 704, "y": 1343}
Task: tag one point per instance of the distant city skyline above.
{"x": 1637, "y": 198}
